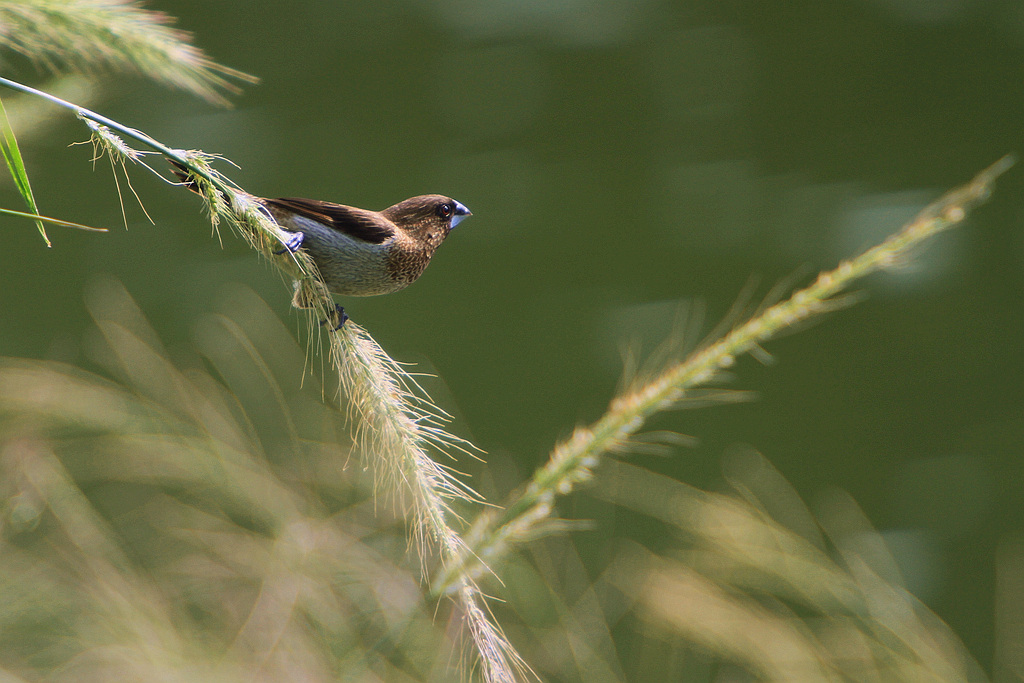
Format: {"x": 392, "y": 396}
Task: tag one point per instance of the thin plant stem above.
{"x": 47, "y": 219}
{"x": 178, "y": 155}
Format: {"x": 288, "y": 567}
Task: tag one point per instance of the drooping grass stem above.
{"x": 394, "y": 428}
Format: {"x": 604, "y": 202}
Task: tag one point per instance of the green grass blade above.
{"x": 12, "y": 155}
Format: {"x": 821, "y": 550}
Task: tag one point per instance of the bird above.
{"x": 356, "y": 251}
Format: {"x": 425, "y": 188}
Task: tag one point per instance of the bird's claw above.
{"x": 342, "y": 317}
{"x": 291, "y": 241}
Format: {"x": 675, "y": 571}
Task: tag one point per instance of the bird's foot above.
{"x": 342, "y": 317}
{"x": 291, "y": 241}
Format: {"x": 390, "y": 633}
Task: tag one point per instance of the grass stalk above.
{"x": 393, "y": 426}
{"x": 573, "y": 461}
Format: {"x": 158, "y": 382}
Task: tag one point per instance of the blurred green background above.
{"x": 624, "y": 161}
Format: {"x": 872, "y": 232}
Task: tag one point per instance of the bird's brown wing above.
{"x": 368, "y": 226}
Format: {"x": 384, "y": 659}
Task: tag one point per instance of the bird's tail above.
{"x": 188, "y": 179}
{"x": 184, "y": 175}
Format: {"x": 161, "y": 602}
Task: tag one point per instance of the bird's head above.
{"x": 427, "y": 218}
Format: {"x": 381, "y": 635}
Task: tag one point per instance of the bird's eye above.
{"x": 444, "y": 211}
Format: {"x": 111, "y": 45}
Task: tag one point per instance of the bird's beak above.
{"x": 460, "y": 212}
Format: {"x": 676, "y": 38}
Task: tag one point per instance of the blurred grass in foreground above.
{"x": 177, "y": 525}
{"x": 189, "y": 520}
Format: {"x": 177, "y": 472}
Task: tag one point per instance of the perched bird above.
{"x": 360, "y": 252}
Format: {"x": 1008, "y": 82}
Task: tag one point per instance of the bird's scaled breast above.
{"x": 349, "y": 266}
